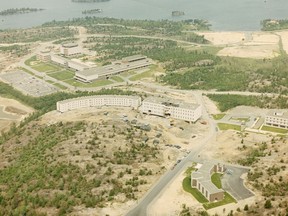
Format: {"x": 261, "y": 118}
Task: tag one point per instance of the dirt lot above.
{"x": 16, "y": 109}
{"x": 108, "y": 116}
{"x": 256, "y": 45}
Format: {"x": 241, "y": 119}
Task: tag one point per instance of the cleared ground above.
{"x": 258, "y": 45}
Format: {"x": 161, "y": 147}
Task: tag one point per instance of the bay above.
{"x": 224, "y": 15}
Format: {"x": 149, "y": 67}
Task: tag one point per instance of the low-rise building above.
{"x": 129, "y": 63}
{"x": 59, "y": 60}
{"x": 176, "y": 109}
{"x": 70, "y": 49}
{"x": 77, "y": 65}
{"x": 201, "y": 180}
{"x": 43, "y": 56}
{"x": 98, "y": 101}
{"x": 277, "y": 118}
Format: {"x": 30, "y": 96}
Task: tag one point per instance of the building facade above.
{"x": 201, "y": 180}
{"x": 104, "y": 72}
{"x": 98, "y": 101}
{"x": 176, "y": 109}
{"x": 70, "y": 49}
{"x": 43, "y": 56}
{"x": 277, "y": 118}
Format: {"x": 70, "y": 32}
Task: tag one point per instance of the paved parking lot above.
{"x": 28, "y": 84}
{"x": 233, "y": 183}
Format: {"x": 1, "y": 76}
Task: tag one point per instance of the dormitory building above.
{"x": 163, "y": 107}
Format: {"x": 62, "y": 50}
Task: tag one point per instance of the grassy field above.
{"x": 218, "y": 116}
{"x": 274, "y": 129}
{"x": 216, "y": 180}
{"x": 117, "y": 79}
{"x": 30, "y": 60}
{"x": 42, "y": 67}
{"x": 187, "y": 187}
{"x": 62, "y": 75}
{"x": 128, "y": 73}
{"x": 240, "y": 119}
{"x": 227, "y": 199}
{"x": 145, "y": 74}
{"x": 60, "y": 86}
{"x": 223, "y": 126}
{"x": 97, "y": 83}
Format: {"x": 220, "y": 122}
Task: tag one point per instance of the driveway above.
{"x": 233, "y": 183}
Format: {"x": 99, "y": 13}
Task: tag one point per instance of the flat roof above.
{"x": 78, "y": 63}
{"x": 59, "y": 57}
{"x": 209, "y": 186}
{"x": 70, "y": 45}
{"x": 203, "y": 176}
{"x": 99, "y": 96}
{"x": 171, "y": 102}
{"x": 133, "y": 58}
{"x": 112, "y": 69}
{"x": 278, "y": 113}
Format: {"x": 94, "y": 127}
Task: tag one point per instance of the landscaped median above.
{"x": 224, "y": 126}
{"x": 274, "y": 129}
{"x": 216, "y": 179}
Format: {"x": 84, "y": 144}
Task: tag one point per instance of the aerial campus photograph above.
{"x": 143, "y": 108}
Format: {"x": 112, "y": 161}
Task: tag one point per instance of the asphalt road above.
{"x": 141, "y": 208}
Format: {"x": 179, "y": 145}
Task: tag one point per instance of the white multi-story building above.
{"x": 128, "y": 63}
{"x": 70, "y": 49}
{"x": 59, "y": 60}
{"x": 177, "y": 109}
{"x": 277, "y": 118}
{"x": 98, "y": 101}
{"x": 201, "y": 179}
{"x": 77, "y": 65}
{"x": 43, "y": 56}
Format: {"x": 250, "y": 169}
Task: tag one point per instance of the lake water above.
{"x": 234, "y": 15}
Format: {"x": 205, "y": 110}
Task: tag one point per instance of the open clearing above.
{"x": 258, "y": 45}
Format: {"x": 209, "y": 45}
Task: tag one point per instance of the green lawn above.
{"x": 240, "y": 119}
{"x": 274, "y": 129}
{"x": 227, "y": 199}
{"x": 128, "y": 73}
{"x": 62, "y": 75}
{"x": 189, "y": 171}
{"x": 148, "y": 73}
{"x": 223, "y": 126}
{"x": 218, "y": 116}
{"x": 60, "y": 86}
{"x": 30, "y": 60}
{"x": 117, "y": 79}
{"x": 216, "y": 180}
{"x": 42, "y": 67}
{"x": 97, "y": 83}
{"x": 187, "y": 187}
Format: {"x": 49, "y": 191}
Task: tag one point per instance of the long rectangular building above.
{"x": 129, "y": 63}
{"x": 98, "y": 101}
{"x": 277, "y": 118}
{"x": 177, "y": 109}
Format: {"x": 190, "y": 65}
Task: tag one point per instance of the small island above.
{"x": 89, "y": 1}
{"x": 93, "y": 11}
{"x": 178, "y": 13}
{"x": 14, "y": 11}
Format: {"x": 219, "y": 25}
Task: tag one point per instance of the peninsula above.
{"x": 93, "y": 11}
{"x": 13, "y": 11}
